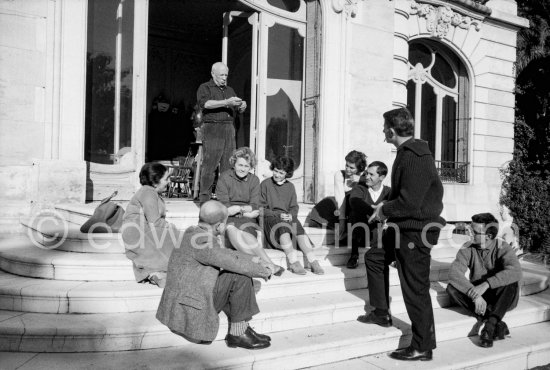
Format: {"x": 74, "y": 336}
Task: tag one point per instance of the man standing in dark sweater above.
{"x": 413, "y": 213}
{"x": 220, "y": 105}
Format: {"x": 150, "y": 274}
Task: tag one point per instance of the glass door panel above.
{"x": 281, "y": 90}
{"x": 109, "y": 79}
{"x": 239, "y": 53}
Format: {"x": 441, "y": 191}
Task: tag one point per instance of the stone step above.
{"x": 527, "y": 348}
{"x": 287, "y": 313}
{"x": 181, "y": 213}
{"x": 50, "y": 232}
{"x": 291, "y": 348}
{"x": 19, "y": 293}
{"x": 25, "y": 294}
{"x": 54, "y": 233}
{"x": 30, "y": 261}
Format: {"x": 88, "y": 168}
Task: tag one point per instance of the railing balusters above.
{"x": 452, "y": 172}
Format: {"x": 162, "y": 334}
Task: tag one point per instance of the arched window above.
{"x": 438, "y": 97}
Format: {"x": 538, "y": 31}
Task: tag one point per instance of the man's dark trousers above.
{"x": 218, "y": 145}
{"x": 499, "y": 300}
{"x": 234, "y": 295}
{"x": 364, "y": 234}
{"x": 413, "y": 265}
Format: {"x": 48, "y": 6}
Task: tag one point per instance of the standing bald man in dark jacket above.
{"x": 413, "y": 214}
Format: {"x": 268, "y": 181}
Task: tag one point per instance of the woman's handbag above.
{"x": 107, "y": 217}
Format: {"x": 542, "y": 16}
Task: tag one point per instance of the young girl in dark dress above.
{"x": 280, "y": 212}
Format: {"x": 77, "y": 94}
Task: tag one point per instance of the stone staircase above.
{"x": 61, "y": 291}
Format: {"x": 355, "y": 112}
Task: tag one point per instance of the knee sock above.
{"x": 290, "y": 253}
{"x": 238, "y": 328}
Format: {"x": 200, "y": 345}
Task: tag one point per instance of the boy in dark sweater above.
{"x": 280, "y": 215}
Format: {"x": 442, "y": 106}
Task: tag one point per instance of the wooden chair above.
{"x": 180, "y": 179}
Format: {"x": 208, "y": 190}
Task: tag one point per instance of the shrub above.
{"x": 526, "y": 192}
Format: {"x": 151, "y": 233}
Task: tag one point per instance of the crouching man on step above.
{"x": 204, "y": 279}
{"x": 492, "y": 287}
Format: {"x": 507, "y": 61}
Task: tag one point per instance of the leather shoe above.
{"x": 384, "y": 321}
{"x": 501, "y": 331}
{"x": 486, "y": 336}
{"x": 258, "y": 335}
{"x": 353, "y": 262}
{"x": 247, "y": 340}
{"x": 411, "y": 354}
{"x": 278, "y": 270}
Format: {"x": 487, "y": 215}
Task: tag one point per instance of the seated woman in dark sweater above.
{"x": 280, "y": 207}
{"x": 148, "y": 238}
{"x": 239, "y": 191}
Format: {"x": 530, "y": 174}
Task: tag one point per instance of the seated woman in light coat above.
{"x": 148, "y": 238}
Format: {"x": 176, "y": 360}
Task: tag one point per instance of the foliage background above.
{"x": 526, "y": 190}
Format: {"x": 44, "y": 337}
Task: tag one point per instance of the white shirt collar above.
{"x": 375, "y": 194}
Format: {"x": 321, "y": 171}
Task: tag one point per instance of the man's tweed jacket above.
{"x": 187, "y": 305}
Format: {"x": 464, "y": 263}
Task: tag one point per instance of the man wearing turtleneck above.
{"x": 413, "y": 217}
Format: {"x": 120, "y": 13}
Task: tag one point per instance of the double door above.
{"x": 265, "y": 56}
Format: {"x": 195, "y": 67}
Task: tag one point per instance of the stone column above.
{"x": 60, "y": 175}
{"x": 401, "y": 53}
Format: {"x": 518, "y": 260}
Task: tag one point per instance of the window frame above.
{"x": 456, "y": 171}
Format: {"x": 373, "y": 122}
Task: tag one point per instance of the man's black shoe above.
{"x": 353, "y": 261}
{"x": 501, "y": 331}
{"x": 258, "y": 335}
{"x": 486, "y": 336}
{"x": 372, "y": 318}
{"x": 411, "y": 354}
{"x": 246, "y": 341}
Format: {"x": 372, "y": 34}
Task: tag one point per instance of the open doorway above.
{"x": 263, "y": 42}
{"x": 185, "y": 39}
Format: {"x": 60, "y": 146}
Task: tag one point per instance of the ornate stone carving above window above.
{"x": 348, "y": 6}
{"x": 439, "y": 19}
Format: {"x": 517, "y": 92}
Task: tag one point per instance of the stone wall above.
{"x": 34, "y": 172}
{"x": 377, "y": 75}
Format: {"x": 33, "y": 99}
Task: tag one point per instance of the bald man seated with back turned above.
{"x": 204, "y": 279}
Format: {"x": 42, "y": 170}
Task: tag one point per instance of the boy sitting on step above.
{"x": 492, "y": 287}
{"x": 280, "y": 216}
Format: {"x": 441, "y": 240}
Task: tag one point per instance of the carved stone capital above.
{"x": 348, "y": 6}
{"x": 440, "y": 19}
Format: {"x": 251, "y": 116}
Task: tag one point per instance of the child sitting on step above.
{"x": 280, "y": 217}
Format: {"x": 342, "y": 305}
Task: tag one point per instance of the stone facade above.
{"x": 363, "y": 73}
